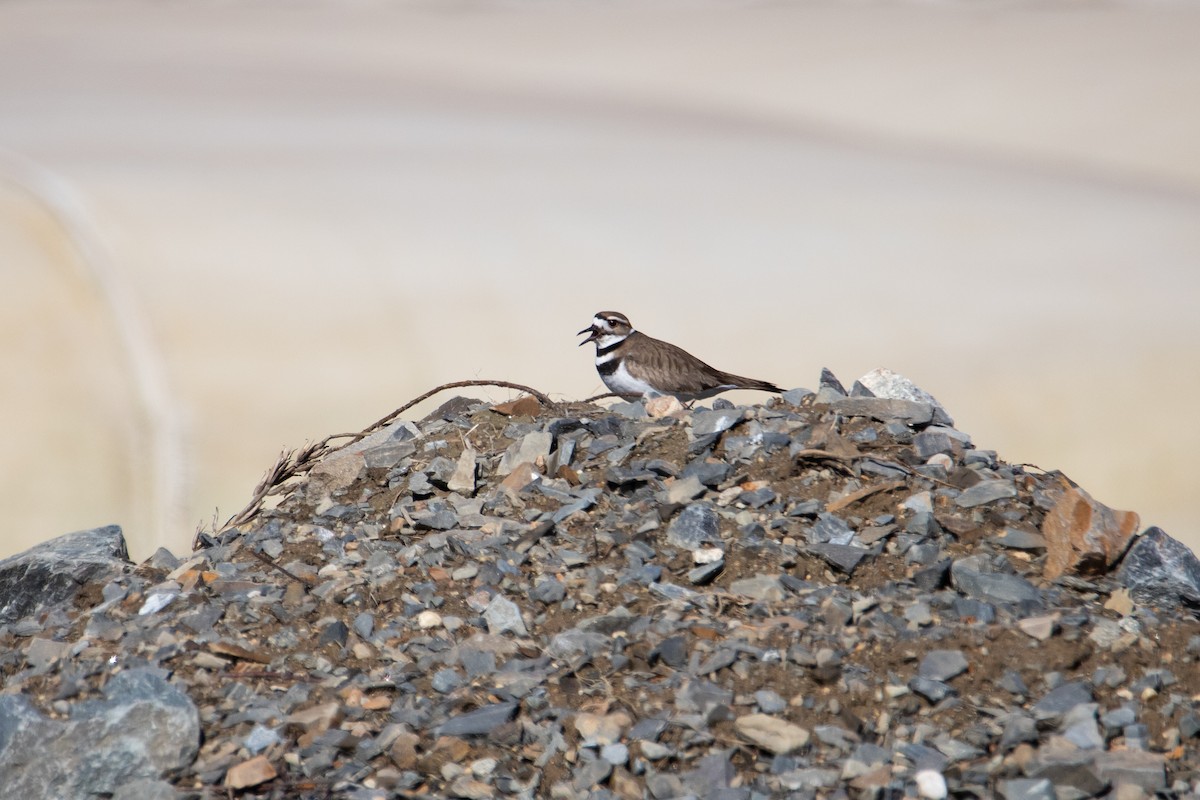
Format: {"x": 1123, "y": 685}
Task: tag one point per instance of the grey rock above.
{"x": 684, "y": 490}
{"x": 830, "y": 529}
{"x": 479, "y": 722}
{"x": 146, "y": 789}
{"x": 1078, "y": 726}
{"x": 769, "y": 702}
{"x": 842, "y": 557}
{"x": 715, "y": 421}
{"x": 764, "y": 588}
{"x": 1027, "y": 789}
{"x": 705, "y": 573}
{"x": 51, "y": 573}
{"x": 1160, "y": 570}
{"x": 1018, "y": 539}
{"x": 796, "y": 396}
{"x": 1136, "y": 767}
{"x": 548, "y": 591}
{"x": 1057, "y": 702}
{"x": 503, "y": 615}
{"x": 694, "y": 527}
{"x": 1069, "y": 770}
{"x": 885, "y": 409}
{"x": 932, "y": 441}
{"x": 529, "y": 448}
{"x": 931, "y": 690}
{"x": 933, "y": 577}
{"x": 986, "y": 492}
{"x": 883, "y": 382}
{"x": 143, "y": 728}
{"x": 1018, "y": 729}
{"x": 942, "y": 665}
{"x": 970, "y": 577}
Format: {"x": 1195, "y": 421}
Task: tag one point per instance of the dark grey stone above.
{"x": 672, "y": 651}
{"x": 694, "y": 527}
{"x": 830, "y": 529}
{"x": 986, "y": 492}
{"x": 931, "y": 690}
{"x": 1057, "y": 702}
{"x": 548, "y": 591}
{"x": 933, "y": 577}
{"x": 143, "y": 728}
{"x": 50, "y": 573}
{"x": 970, "y": 577}
{"x": 931, "y": 442}
{"x": 885, "y": 409}
{"x": 1160, "y": 570}
{"x": 705, "y": 573}
{"x": 1018, "y": 728}
{"x": 480, "y": 721}
{"x": 842, "y": 557}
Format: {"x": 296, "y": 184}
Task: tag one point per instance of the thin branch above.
{"x": 292, "y": 463}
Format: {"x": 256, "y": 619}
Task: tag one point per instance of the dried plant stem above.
{"x": 292, "y": 463}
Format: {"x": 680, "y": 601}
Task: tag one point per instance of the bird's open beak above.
{"x": 594, "y": 334}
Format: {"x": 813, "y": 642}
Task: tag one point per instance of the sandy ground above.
{"x": 308, "y": 215}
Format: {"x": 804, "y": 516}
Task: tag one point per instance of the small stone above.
{"x": 250, "y": 773}
{"x": 769, "y": 702}
{"x": 716, "y": 421}
{"x": 1027, "y": 789}
{"x": 601, "y": 729}
{"x": 663, "y": 406}
{"x": 684, "y": 490}
{"x": 428, "y": 619}
{"x": 970, "y": 576}
{"x": 772, "y": 734}
{"x": 615, "y": 754}
{"x": 764, "y": 588}
{"x": 527, "y": 450}
{"x": 653, "y": 750}
{"x": 1057, "y": 702}
{"x": 318, "y": 718}
{"x": 503, "y": 615}
{"x": 885, "y": 383}
{"x": 986, "y": 492}
{"x": 931, "y": 784}
{"x": 694, "y": 527}
{"x": 1040, "y": 628}
{"x": 479, "y": 722}
{"x": 471, "y": 789}
{"x": 520, "y": 478}
{"x": 463, "y": 479}
{"x": 548, "y": 591}
{"x": 942, "y": 665}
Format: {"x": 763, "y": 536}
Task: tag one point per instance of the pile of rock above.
{"x": 831, "y": 595}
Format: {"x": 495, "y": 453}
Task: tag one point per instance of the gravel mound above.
{"x": 831, "y": 595}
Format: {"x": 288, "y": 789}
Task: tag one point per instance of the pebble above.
{"x": 580, "y": 603}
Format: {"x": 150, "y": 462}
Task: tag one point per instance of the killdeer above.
{"x": 631, "y": 362}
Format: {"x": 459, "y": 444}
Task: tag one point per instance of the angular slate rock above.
{"x": 696, "y": 526}
{"x": 1160, "y": 570}
{"x": 842, "y": 557}
{"x": 971, "y": 577}
{"x": 143, "y": 729}
{"x": 986, "y": 492}
{"x": 480, "y": 721}
{"x": 1057, "y": 702}
{"x": 942, "y": 665}
{"x": 716, "y": 421}
{"x": 52, "y": 572}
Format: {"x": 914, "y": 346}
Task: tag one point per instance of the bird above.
{"x": 632, "y": 363}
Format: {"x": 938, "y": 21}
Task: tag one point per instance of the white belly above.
{"x": 622, "y": 382}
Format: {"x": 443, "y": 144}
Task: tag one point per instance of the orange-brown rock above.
{"x": 1083, "y": 536}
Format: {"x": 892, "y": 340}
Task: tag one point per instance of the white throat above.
{"x": 606, "y": 340}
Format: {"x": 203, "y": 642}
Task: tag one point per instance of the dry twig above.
{"x": 292, "y": 463}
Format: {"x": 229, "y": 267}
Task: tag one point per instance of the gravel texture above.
{"x": 825, "y": 596}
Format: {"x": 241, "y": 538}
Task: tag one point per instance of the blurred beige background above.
{"x": 227, "y": 229}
